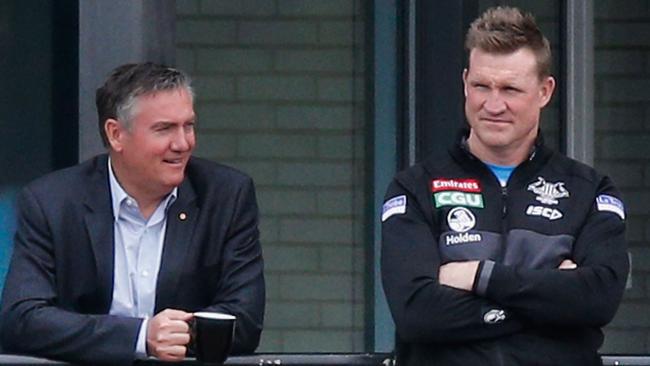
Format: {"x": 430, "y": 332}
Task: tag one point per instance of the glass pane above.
{"x": 280, "y": 96}
{"x": 622, "y": 150}
{"x": 547, "y": 15}
{"x": 25, "y": 106}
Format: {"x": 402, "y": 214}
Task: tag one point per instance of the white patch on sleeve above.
{"x": 394, "y": 206}
{"x": 610, "y": 203}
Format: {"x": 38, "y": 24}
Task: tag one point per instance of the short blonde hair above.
{"x": 505, "y": 30}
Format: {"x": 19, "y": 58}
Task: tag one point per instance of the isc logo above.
{"x": 549, "y": 213}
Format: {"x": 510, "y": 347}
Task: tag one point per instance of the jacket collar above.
{"x": 98, "y": 219}
{"x": 538, "y": 156}
{"x": 460, "y": 150}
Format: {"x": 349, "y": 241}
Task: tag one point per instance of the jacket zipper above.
{"x": 504, "y": 225}
{"x": 504, "y": 209}
{"x": 504, "y": 240}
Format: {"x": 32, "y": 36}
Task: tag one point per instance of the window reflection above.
{"x": 7, "y": 228}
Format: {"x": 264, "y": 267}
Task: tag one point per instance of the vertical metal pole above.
{"x": 384, "y": 121}
{"x": 411, "y": 71}
{"x": 579, "y": 96}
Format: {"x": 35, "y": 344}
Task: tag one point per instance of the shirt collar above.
{"x": 118, "y": 194}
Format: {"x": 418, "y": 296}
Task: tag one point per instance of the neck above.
{"x": 512, "y": 155}
{"x": 146, "y": 198}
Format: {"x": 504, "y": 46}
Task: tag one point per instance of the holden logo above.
{"x": 494, "y": 316}
{"x": 460, "y": 219}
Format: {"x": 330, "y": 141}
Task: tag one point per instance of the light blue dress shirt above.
{"x": 138, "y": 250}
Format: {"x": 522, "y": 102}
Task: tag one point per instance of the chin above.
{"x": 175, "y": 181}
{"x": 494, "y": 138}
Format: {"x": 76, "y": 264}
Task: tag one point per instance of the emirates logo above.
{"x": 548, "y": 193}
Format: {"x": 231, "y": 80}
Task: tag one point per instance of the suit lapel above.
{"x": 99, "y": 226}
{"x": 181, "y": 220}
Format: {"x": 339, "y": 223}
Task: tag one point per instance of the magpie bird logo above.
{"x": 548, "y": 193}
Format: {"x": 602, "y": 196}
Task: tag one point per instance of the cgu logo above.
{"x": 549, "y": 213}
{"x": 454, "y": 198}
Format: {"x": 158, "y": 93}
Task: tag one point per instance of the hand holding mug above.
{"x": 168, "y": 334}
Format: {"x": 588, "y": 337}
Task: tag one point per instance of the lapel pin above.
{"x": 182, "y": 216}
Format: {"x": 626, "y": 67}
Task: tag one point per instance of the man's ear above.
{"x": 114, "y": 133}
{"x": 546, "y": 91}
{"x": 465, "y": 81}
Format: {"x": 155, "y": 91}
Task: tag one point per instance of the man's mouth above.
{"x": 177, "y": 161}
{"x": 495, "y": 120}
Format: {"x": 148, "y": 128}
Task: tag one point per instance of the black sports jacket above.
{"x": 522, "y": 310}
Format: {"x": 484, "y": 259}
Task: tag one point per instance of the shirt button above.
{"x": 145, "y": 273}
{"x": 129, "y": 202}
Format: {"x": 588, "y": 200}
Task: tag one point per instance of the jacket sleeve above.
{"x": 241, "y": 291}
{"x": 424, "y": 310}
{"x": 34, "y": 323}
{"x": 586, "y": 296}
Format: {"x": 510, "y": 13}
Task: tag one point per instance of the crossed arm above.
{"x": 461, "y": 275}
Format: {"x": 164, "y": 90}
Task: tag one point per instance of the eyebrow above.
{"x": 163, "y": 124}
{"x": 171, "y": 123}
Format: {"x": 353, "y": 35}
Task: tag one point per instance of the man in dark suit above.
{"x": 112, "y": 256}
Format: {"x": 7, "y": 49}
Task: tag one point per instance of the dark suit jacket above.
{"x": 60, "y": 283}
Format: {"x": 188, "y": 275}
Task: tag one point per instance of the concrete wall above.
{"x": 280, "y": 96}
{"x": 622, "y": 149}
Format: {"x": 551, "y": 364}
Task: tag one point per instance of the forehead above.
{"x": 175, "y": 105}
{"x": 513, "y": 66}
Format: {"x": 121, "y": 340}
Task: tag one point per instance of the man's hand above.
{"x": 168, "y": 334}
{"x": 458, "y": 275}
{"x": 567, "y": 264}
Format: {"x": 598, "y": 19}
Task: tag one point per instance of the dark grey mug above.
{"x": 212, "y": 336}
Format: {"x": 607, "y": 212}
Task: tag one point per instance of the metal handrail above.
{"x": 303, "y": 359}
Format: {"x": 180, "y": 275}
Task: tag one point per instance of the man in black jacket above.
{"x": 503, "y": 252}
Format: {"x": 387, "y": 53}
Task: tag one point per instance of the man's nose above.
{"x": 181, "y": 140}
{"x": 494, "y": 103}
